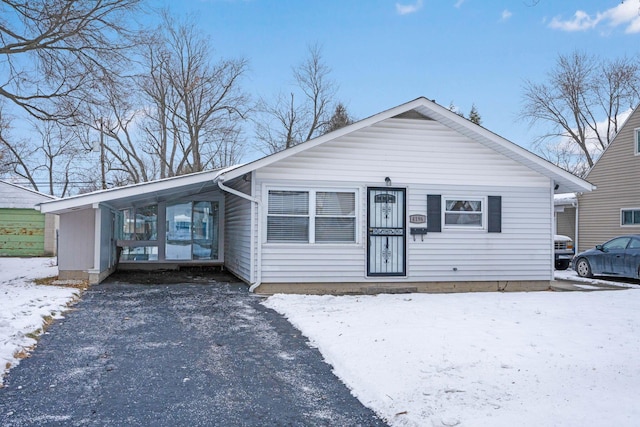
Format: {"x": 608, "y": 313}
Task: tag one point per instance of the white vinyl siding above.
{"x": 238, "y": 232}
{"x": 429, "y": 153}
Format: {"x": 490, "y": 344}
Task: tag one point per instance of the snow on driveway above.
{"x": 482, "y": 359}
{"x": 23, "y": 304}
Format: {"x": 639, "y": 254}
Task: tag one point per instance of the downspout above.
{"x": 576, "y": 242}
{"x": 258, "y": 203}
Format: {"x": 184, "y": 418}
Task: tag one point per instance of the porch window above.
{"x": 463, "y": 213}
{"x": 313, "y": 216}
{"x": 192, "y": 231}
{"x": 139, "y": 253}
{"x": 139, "y": 223}
{"x": 630, "y": 217}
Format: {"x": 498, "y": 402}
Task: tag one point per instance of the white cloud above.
{"x": 506, "y": 14}
{"x": 624, "y": 14}
{"x": 405, "y": 9}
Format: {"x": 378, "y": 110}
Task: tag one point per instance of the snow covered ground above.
{"x": 485, "y": 359}
{"x": 590, "y": 283}
{"x": 482, "y": 359}
{"x": 23, "y": 304}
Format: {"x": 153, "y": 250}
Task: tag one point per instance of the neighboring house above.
{"x": 614, "y": 207}
{"x": 24, "y": 231}
{"x": 415, "y": 198}
{"x": 565, "y": 214}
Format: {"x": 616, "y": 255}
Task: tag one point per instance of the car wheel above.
{"x": 583, "y": 268}
{"x": 563, "y": 264}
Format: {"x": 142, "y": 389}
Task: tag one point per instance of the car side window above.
{"x": 619, "y": 243}
{"x": 634, "y": 244}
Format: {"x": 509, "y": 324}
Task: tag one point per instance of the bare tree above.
{"x": 198, "y": 103}
{"x": 581, "y": 102}
{"x": 54, "y": 48}
{"x": 48, "y": 162}
{"x": 288, "y": 120}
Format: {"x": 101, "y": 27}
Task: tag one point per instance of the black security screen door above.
{"x": 386, "y": 232}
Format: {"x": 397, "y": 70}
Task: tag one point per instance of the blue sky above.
{"x": 383, "y": 52}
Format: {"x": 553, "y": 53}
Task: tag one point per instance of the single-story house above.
{"x": 613, "y": 208}
{"x": 24, "y": 230}
{"x": 413, "y": 198}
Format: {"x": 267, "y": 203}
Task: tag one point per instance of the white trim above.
{"x": 567, "y": 181}
{"x": 312, "y": 190}
{"x": 636, "y": 141}
{"x": 101, "y": 196}
{"x": 97, "y": 234}
{"x": 483, "y": 212}
{"x": 628, "y": 225}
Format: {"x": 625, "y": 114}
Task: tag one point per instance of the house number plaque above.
{"x": 417, "y": 219}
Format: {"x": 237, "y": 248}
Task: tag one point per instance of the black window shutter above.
{"x": 494, "y": 223}
{"x": 434, "y": 213}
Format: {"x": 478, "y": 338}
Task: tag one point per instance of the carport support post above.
{"x": 94, "y": 273}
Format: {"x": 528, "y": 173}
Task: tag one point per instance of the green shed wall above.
{"x": 21, "y": 232}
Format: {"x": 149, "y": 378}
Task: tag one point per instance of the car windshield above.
{"x": 618, "y": 243}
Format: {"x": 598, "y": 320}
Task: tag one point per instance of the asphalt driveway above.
{"x": 176, "y": 349}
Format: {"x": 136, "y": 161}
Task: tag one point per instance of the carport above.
{"x": 163, "y": 224}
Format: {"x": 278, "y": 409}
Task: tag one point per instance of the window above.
{"x": 630, "y": 217}
{"x": 467, "y": 213}
{"x": 288, "y": 216}
{"x": 139, "y": 253}
{"x": 139, "y": 223}
{"x": 335, "y": 217}
{"x": 636, "y": 134}
{"x": 192, "y": 231}
{"x": 311, "y": 216}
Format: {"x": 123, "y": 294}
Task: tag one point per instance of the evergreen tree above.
{"x": 339, "y": 119}
{"x": 474, "y": 115}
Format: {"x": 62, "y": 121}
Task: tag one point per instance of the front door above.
{"x": 386, "y": 232}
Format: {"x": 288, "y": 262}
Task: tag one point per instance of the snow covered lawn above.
{"x": 24, "y": 305}
{"x": 483, "y": 359}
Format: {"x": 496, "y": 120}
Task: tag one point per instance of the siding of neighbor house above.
{"x": 566, "y": 222}
{"x": 615, "y": 175}
{"x": 24, "y": 231}
{"x": 425, "y": 157}
{"x": 21, "y": 232}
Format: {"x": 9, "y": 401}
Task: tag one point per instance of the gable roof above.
{"x": 631, "y": 118}
{"x": 16, "y": 196}
{"x": 149, "y": 192}
{"x": 565, "y": 181}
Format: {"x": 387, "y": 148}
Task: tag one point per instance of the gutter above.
{"x": 258, "y": 202}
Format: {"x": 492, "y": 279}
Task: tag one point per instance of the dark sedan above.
{"x": 619, "y": 256}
